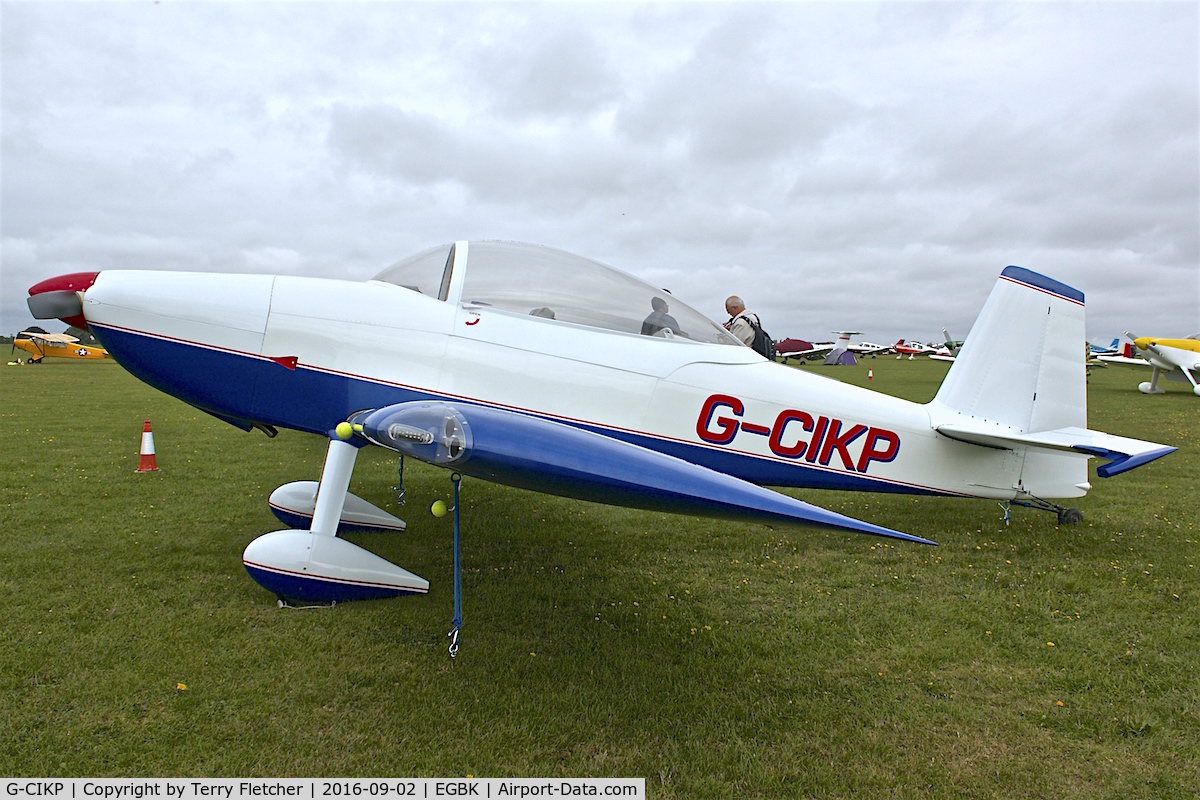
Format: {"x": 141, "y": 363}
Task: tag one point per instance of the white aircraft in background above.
{"x": 865, "y": 348}
{"x": 525, "y": 365}
{"x": 1178, "y": 358}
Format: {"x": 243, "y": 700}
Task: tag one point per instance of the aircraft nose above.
{"x": 61, "y": 297}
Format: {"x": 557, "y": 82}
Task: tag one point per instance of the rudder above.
{"x": 1022, "y": 364}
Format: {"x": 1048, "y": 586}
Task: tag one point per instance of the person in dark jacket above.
{"x": 659, "y": 319}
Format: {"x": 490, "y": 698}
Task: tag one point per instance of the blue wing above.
{"x": 534, "y": 453}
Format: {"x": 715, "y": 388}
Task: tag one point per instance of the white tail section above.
{"x": 1020, "y": 383}
{"x": 1022, "y": 365}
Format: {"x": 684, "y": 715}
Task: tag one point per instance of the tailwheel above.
{"x": 1069, "y": 516}
{"x": 1066, "y": 516}
{"x": 292, "y": 603}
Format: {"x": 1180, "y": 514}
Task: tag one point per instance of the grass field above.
{"x": 713, "y": 659}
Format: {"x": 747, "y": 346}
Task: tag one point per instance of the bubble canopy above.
{"x": 551, "y": 284}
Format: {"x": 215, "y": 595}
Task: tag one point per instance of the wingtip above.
{"x": 908, "y": 537}
{"x": 879, "y": 530}
{"x": 843, "y": 522}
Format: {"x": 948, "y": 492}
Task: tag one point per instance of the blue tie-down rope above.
{"x": 456, "y": 623}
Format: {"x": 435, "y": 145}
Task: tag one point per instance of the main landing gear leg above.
{"x": 1195, "y": 386}
{"x": 331, "y": 497}
{"x": 1151, "y": 386}
{"x": 335, "y": 482}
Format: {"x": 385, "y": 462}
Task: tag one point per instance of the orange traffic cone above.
{"x": 870, "y": 375}
{"x": 146, "y": 456}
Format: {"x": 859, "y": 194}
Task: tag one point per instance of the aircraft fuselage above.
{"x": 305, "y": 354}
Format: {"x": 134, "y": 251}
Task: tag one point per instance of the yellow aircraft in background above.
{"x": 1163, "y": 355}
{"x": 55, "y": 345}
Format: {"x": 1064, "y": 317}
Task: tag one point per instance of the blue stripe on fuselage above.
{"x": 253, "y": 388}
{"x": 247, "y": 387}
{"x": 210, "y": 379}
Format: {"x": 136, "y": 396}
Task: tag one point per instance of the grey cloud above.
{"x": 416, "y": 147}
{"x": 727, "y": 109}
{"x": 567, "y": 74}
{"x": 492, "y": 161}
{"x": 835, "y": 161}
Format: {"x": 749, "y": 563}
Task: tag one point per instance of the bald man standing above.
{"x": 739, "y": 320}
{"x": 747, "y": 328}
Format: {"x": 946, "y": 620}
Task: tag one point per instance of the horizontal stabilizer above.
{"x": 1124, "y": 454}
{"x": 534, "y": 453}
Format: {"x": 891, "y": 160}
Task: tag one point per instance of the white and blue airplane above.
{"x": 1112, "y": 349}
{"x": 528, "y": 366}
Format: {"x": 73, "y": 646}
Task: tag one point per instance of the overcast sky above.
{"x": 839, "y": 165}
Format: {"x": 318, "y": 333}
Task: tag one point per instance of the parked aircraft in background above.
{"x": 1092, "y": 353}
{"x": 455, "y": 362}
{"x": 1179, "y": 359}
{"x": 1112, "y": 350}
{"x": 798, "y": 348}
{"x": 910, "y": 348}
{"x": 841, "y": 352}
{"x": 794, "y": 348}
{"x": 844, "y": 350}
{"x": 41, "y": 345}
{"x": 865, "y": 348}
{"x": 949, "y": 350}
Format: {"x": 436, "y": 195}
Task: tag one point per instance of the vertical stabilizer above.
{"x": 1022, "y": 364}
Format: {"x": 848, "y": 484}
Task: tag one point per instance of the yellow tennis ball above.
{"x": 439, "y": 508}
{"x": 344, "y": 430}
